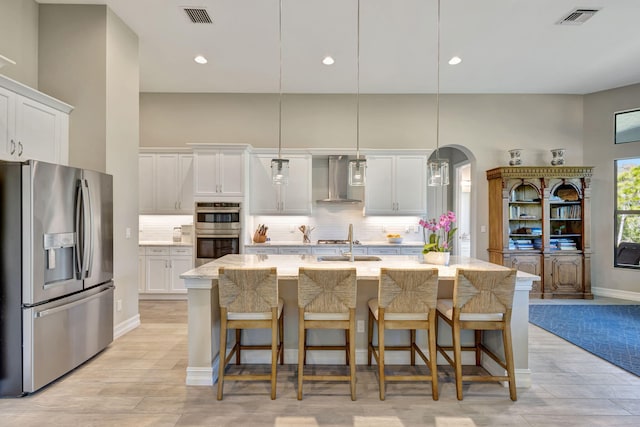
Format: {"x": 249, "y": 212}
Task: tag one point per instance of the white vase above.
{"x": 438, "y": 258}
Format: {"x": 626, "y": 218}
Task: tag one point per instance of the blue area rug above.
{"x": 611, "y": 332}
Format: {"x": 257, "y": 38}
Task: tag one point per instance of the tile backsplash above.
{"x": 329, "y": 222}
{"x": 159, "y": 228}
{"x": 332, "y": 222}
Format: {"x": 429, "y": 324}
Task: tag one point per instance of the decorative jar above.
{"x": 558, "y": 156}
{"x": 515, "y": 159}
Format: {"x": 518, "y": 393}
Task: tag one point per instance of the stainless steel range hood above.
{"x": 338, "y": 181}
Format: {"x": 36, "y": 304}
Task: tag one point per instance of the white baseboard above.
{"x": 523, "y": 376}
{"x": 200, "y": 376}
{"x": 127, "y": 326}
{"x": 615, "y": 293}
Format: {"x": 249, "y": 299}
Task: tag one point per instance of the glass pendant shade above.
{"x": 357, "y": 172}
{"x": 280, "y": 171}
{"x": 438, "y": 173}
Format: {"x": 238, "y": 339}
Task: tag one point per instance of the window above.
{"x": 627, "y": 213}
{"x": 627, "y": 126}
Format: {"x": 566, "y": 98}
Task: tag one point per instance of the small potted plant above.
{"x": 437, "y": 249}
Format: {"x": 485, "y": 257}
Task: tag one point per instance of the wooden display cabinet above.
{"x": 539, "y": 222}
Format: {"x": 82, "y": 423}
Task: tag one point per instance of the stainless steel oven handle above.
{"x": 218, "y": 210}
{"x": 218, "y": 236}
{"x": 50, "y": 311}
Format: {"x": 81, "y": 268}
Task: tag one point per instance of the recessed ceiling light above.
{"x": 455, "y": 60}
{"x": 200, "y": 59}
{"x": 327, "y": 60}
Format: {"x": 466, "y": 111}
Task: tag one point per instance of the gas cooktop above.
{"x": 337, "y": 242}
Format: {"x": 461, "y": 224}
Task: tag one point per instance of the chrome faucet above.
{"x": 350, "y": 239}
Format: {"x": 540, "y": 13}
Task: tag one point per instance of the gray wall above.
{"x": 89, "y": 58}
{"x": 19, "y": 40}
{"x": 122, "y": 140}
{"x": 73, "y": 43}
{"x": 485, "y": 125}
{"x": 600, "y": 151}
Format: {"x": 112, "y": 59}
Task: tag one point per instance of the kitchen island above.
{"x": 204, "y": 312}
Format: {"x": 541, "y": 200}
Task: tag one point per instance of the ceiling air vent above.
{"x": 577, "y": 17}
{"x": 197, "y": 15}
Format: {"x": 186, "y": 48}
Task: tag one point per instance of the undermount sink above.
{"x": 346, "y": 258}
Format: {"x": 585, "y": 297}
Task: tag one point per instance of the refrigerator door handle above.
{"x": 50, "y": 311}
{"x": 88, "y": 229}
{"x": 79, "y": 243}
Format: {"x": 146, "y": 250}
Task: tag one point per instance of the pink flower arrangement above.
{"x": 441, "y": 233}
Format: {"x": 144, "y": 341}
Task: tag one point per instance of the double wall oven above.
{"x": 217, "y": 230}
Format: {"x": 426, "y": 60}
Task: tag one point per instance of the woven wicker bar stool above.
{"x": 406, "y": 300}
{"x": 249, "y": 300}
{"x": 327, "y": 300}
{"x": 482, "y": 300}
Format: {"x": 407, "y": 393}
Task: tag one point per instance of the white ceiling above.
{"x": 507, "y": 46}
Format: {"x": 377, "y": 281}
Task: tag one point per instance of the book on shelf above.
{"x": 566, "y": 212}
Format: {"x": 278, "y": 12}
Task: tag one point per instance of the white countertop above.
{"x": 288, "y": 265}
{"x": 163, "y": 243}
{"x": 315, "y": 244}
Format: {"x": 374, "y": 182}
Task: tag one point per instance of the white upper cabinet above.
{"x": 218, "y": 172}
{"x": 291, "y": 199}
{"x": 165, "y": 183}
{"x": 396, "y": 184}
{"x": 32, "y": 125}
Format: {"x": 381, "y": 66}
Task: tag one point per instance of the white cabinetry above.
{"x": 163, "y": 266}
{"x": 396, "y": 185}
{"x": 218, "y": 172}
{"x": 165, "y": 183}
{"x": 269, "y": 199}
{"x": 32, "y": 125}
{"x": 295, "y": 250}
{"x": 260, "y": 250}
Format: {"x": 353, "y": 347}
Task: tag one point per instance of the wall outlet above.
{"x": 360, "y": 326}
{"x": 483, "y": 228}
{"x": 119, "y": 305}
{"x": 127, "y": 232}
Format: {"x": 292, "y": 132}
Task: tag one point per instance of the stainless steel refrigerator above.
{"x": 56, "y": 271}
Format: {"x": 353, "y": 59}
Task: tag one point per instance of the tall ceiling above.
{"x": 506, "y": 46}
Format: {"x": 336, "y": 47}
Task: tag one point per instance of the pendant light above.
{"x": 280, "y": 166}
{"x": 438, "y": 169}
{"x": 358, "y": 167}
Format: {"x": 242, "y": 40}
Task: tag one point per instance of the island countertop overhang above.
{"x": 287, "y": 266}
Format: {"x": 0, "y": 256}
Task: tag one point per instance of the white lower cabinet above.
{"x": 157, "y": 274}
{"x": 260, "y": 250}
{"x": 163, "y": 267}
{"x": 294, "y": 251}
{"x": 383, "y": 251}
{"x": 411, "y": 250}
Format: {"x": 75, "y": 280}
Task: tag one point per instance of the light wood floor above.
{"x": 139, "y": 381}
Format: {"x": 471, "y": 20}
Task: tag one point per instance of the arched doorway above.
{"x": 456, "y": 197}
